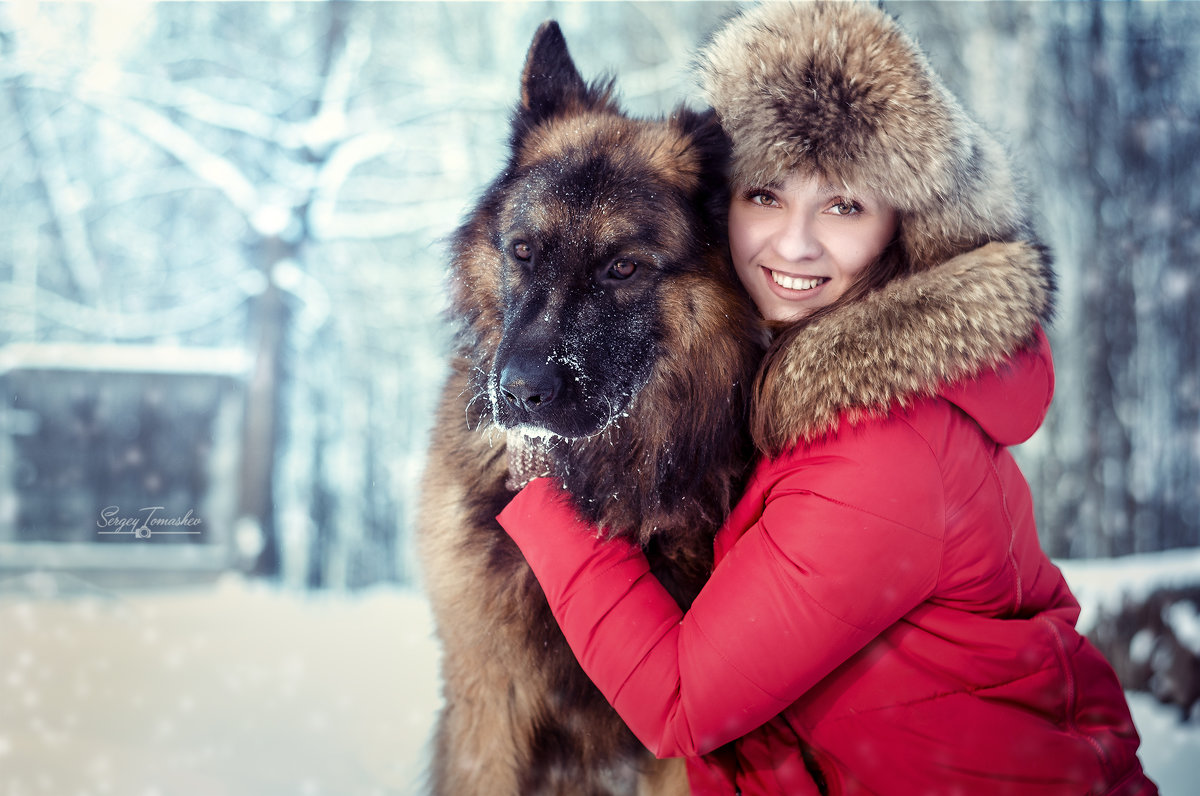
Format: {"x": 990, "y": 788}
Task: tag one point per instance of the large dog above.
{"x": 598, "y": 319}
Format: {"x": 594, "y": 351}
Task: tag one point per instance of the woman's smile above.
{"x": 788, "y": 285}
{"x": 799, "y": 245}
{"x": 796, "y": 283}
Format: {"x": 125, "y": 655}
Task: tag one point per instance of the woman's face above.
{"x": 797, "y": 246}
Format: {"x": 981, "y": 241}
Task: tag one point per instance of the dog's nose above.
{"x": 531, "y": 390}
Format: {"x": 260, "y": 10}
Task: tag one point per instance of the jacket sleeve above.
{"x": 816, "y": 578}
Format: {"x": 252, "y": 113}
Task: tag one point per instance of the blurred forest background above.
{"x": 222, "y": 254}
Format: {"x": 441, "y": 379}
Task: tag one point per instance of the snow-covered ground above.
{"x": 232, "y": 689}
{"x": 242, "y": 689}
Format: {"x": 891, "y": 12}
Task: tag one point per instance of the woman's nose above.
{"x": 797, "y": 239}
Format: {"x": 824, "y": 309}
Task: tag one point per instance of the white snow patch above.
{"x": 535, "y": 432}
{"x": 233, "y": 688}
{"x": 1103, "y": 584}
{"x": 1141, "y": 646}
{"x": 1184, "y": 622}
{"x": 1169, "y": 749}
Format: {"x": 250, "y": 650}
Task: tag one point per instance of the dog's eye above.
{"x": 522, "y": 251}
{"x": 621, "y": 269}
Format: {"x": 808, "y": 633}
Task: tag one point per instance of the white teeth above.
{"x": 795, "y": 283}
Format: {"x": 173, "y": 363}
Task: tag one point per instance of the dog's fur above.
{"x": 599, "y": 320}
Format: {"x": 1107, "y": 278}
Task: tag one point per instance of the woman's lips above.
{"x": 793, "y": 287}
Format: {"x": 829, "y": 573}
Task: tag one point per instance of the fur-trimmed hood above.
{"x": 901, "y": 343}
{"x": 838, "y": 89}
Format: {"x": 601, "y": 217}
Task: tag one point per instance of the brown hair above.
{"x": 891, "y": 264}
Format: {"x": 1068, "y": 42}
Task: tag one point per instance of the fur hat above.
{"x": 837, "y": 88}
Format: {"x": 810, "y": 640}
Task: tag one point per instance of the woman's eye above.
{"x": 761, "y": 198}
{"x": 845, "y": 207}
{"x": 522, "y": 251}
{"x": 622, "y": 269}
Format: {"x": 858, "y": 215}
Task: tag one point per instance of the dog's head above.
{"x": 593, "y": 216}
{"x": 593, "y": 276}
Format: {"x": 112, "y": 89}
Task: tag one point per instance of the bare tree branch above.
{"x": 103, "y": 323}
{"x": 213, "y": 169}
{"x": 78, "y": 256}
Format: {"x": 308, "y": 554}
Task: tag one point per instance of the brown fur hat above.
{"x": 837, "y": 88}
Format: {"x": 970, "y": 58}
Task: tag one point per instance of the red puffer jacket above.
{"x": 880, "y": 600}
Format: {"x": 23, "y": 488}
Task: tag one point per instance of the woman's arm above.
{"x": 804, "y": 589}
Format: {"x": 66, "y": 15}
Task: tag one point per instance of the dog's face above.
{"x": 595, "y": 217}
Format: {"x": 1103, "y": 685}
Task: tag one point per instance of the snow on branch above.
{"x": 217, "y": 171}
{"x": 200, "y": 311}
{"x": 1103, "y": 585}
{"x": 78, "y": 257}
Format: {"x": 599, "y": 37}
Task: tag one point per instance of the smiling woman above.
{"x": 800, "y": 245}
{"x": 880, "y": 617}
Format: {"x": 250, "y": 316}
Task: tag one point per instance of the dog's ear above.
{"x": 550, "y": 81}
{"x": 703, "y": 128}
{"x": 712, "y": 149}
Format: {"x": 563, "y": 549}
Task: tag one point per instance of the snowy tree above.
{"x": 278, "y": 180}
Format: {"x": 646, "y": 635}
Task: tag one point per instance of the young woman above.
{"x": 881, "y": 618}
